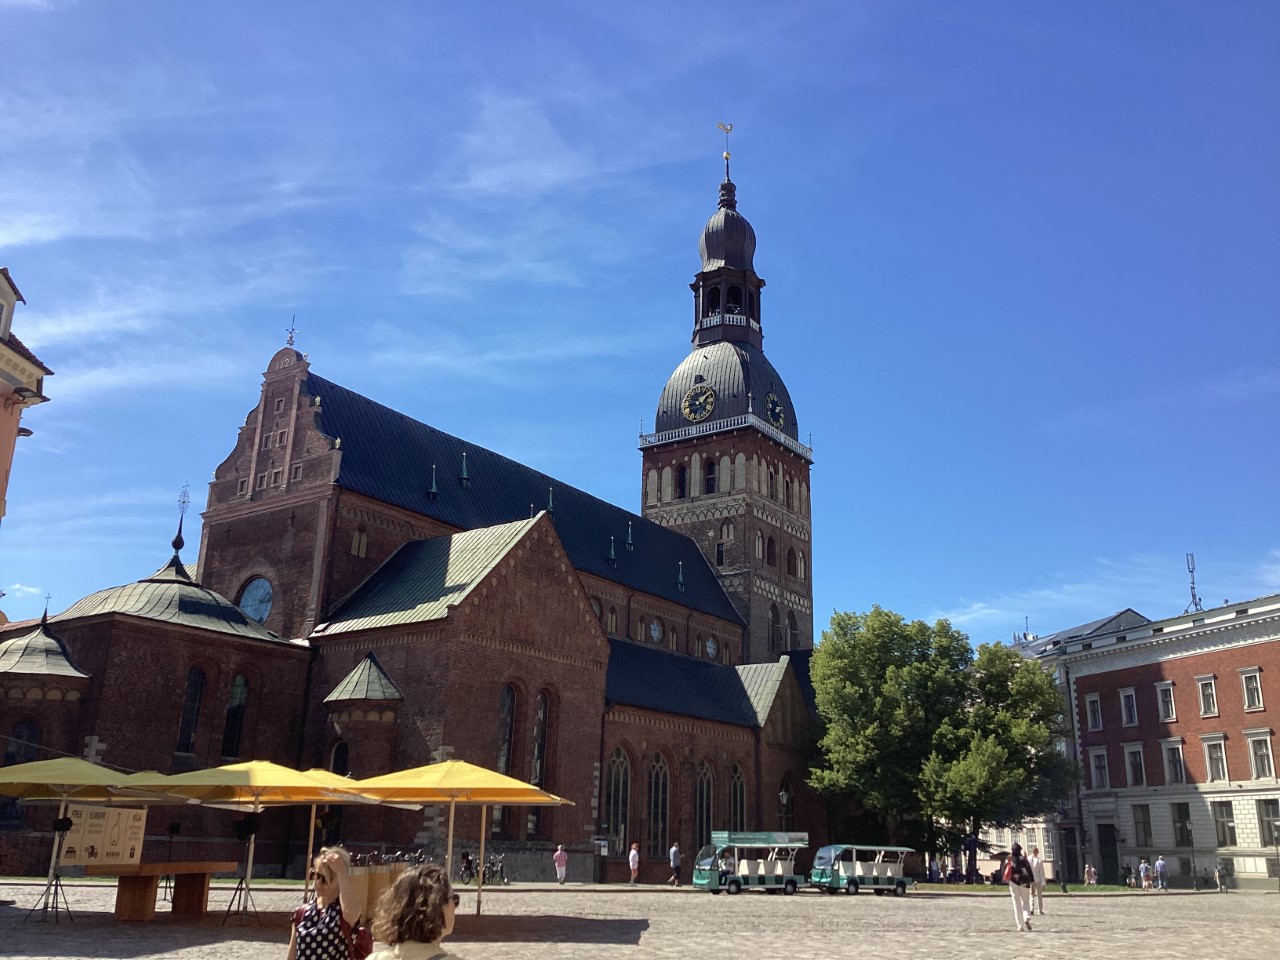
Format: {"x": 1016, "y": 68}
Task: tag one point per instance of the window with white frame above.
{"x": 1032, "y": 837}
{"x": 1129, "y": 707}
{"x": 1098, "y": 765}
{"x": 1208, "y": 695}
{"x": 1047, "y": 852}
{"x": 1134, "y": 766}
{"x": 1164, "y": 697}
{"x": 1260, "y": 753}
{"x": 1142, "y": 824}
{"x": 1093, "y": 708}
{"x": 1174, "y": 770}
{"x": 1215, "y": 756}
{"x": 1224, "y": 822}
{"x": 1251, "y": 681}
{"x": 1269, "y": 821}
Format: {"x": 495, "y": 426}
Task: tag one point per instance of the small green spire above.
{"x": 551, "y": 499}
{"x": 680, "y": 574}
{"x": 433, "y": 492}
{"x": 531, "y": 511}
{"x": 613, "y": 556}
{"x": 630, "y": 543}
{"x": 466, "y": 477}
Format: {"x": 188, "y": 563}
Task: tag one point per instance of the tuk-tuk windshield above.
{"x": 706, "y": 857}
{"x": 826, "y": 856}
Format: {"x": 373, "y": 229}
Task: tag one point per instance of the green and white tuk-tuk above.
{"x": 852, "y": 867}
{"x": 733, "y": 862}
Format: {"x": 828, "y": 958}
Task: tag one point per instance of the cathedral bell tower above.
{"x": 724, "y": 464}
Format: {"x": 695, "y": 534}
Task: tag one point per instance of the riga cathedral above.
{"x": 373, "y": 594}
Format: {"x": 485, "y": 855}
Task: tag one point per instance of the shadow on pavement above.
{"x": 547, "y": 929}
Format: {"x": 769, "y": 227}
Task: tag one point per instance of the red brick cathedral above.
{"x": 374, "y": 594}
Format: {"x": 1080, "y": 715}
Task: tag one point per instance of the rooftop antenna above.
{"x": 293, "y": 329}
{"x": 728, "y": 129}
{"x": 1195, "y": 603}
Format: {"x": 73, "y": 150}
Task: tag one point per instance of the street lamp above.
{"x": 783, "y": 797}
{"x": 1191, "y": 837}
{"x": 1275, "y": 835}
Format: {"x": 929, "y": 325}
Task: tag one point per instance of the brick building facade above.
{"x": 403, "y": 596}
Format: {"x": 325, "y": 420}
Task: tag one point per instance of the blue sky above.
{"x": 1021, "y": 263}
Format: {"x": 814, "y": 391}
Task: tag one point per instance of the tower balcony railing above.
{"x": 729, "y": 319}
{"x": 728, "y": 423}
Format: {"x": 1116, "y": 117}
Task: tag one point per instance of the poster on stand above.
{"x": 108, "y": 836}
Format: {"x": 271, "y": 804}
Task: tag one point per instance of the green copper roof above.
{"x": 38, "y": 653}
{"x": 422, "y": 579}
{"x": 761, "y": 682}
{"x": 368, "y": 681}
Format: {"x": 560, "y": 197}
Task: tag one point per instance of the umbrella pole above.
{"x": 53, "y": 858}
{"x": 480, "y": 875}
{"x": 248, "y": 869}
{"x": 311, "y": 840}
{"x": 448, "y": 850}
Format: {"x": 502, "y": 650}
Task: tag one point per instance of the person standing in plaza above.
{"x": 1162, "y": 874}
{"x": 1037, "y": 881}
{"x": 414, "y": 914}
{"x": 1144, "y": 874}
{"x": 1017, "y": 874}
{"x": 633, "y": 861}
{"x": 321, "y": 930}
{"x": 673, "y": 856}
{"x": 561, "y": 860}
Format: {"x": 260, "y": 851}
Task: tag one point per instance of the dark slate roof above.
{"x": 24, "y": 351}
{"x": 656, "y": 679}
{"x": 388, "y": 456}
{"x": 38, "y": 652}
{"x": 368, "y": 681}
{"x": 422, "y": 579}
{"x": 733, "y": 370}
{"x": 728, "y": 240}
{"x": 1122, "y": 620}
{"x": 801, "y": 661}
{"x": 171, "y": 596}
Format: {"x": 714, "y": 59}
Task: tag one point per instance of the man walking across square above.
{"x": 1162, "y": 874}
{"x": 1017, "y": 874}
{"x": 1037, "y": 881}
{"x": 673, "y": 857}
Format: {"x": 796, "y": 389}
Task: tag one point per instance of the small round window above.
{"x": 255, "y": 599}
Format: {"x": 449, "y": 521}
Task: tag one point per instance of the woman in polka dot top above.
{"x": 319, "y": 931}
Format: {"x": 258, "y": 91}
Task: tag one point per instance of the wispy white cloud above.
{"x": 22, "y": 590}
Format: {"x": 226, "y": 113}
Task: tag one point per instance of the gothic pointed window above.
{"x": 793, "y": 632}
{"x": 538, "y": 759}
{"x": 771, "y": 552}
{"x": 613, "y": 621}
{"x": 617, "y": 800}
{"x": 682, "y": 483}
{"x": 726, "y": 531}
{"x": 759, "y": 545}
{"x": 233, "y": 730}
{"x": 659, "y": 806}
{"x": 773, "y": 485}
{"x": 802, "y": 567}
{"x": 506, "y": 746}
{"x": 793, "y": 566}
{"x": 191, "y": 710}
{"x": 737, "y": 800}
{"x": 775, "y": 629}
{"x": 23, "y": 744}
{"x": 709, "y": 477}
{"x": 702, "y": 807}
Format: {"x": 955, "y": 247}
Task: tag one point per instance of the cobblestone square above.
{"x": 532, "y": 921}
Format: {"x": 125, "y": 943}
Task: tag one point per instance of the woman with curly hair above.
{"x": 415, "y": 914}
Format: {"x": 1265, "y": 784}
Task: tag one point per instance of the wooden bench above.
{"x": 139, "y": 882}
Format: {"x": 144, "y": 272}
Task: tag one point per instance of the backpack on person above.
{"x": 1007, "y": 876}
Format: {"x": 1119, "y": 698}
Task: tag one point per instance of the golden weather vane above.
{"x": 727, "y": 128}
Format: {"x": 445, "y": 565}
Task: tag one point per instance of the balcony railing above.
{"x": 728, "y": 423}
{"x": 729, "y": 319}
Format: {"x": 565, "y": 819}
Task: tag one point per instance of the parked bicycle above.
{"x": 494, "y": 870}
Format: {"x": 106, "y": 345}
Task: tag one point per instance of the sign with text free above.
{"x": 104, "y": 835}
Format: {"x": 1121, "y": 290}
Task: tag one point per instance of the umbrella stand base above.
{"x": 55, "y": 891}
{"x": 241, "y": 903}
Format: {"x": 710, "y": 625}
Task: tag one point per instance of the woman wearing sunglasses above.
{"x": 322, "y": 929}
{"x": 415, "y": 914}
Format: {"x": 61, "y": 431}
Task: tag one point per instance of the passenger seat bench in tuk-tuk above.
{"x": 139, "y": 882}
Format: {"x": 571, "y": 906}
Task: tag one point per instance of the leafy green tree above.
{"x": 997, "y": 760}
{"x": 884, "y": 687}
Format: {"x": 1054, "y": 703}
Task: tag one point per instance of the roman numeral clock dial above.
{"x": 698, "y": 403}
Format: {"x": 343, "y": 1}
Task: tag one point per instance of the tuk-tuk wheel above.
{"x": 789, "y": 887}
{"x": 734, "y": 887}
{"x": 900, "y": 890}
{"x": 852, "y": 888}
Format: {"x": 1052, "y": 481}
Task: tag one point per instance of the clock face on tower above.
{"x": 698, "y": 403}
{"x": 774, "y": 410}
{"x": 255, "y": 599}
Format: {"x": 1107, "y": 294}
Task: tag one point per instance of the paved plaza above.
{"x": 533, "y": 921}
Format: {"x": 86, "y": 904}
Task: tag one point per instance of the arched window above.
{"x": 506, "y": 746}
{"x": 538, "y": 759}
{"x": 613, "y": 621}
{"x": 775, "y": 629}
{"x": 191, "y": 711}
{"x": 751, "y": 302}
{"x": 734, "y": 299}
{"x": 802, "y": 567}
{"x": 792, "y": 567}
{"x": 359, "y": 542}
{"x": 793, "y": 631}
{"x": 712, "y": 301}
{"x": 697, "y": 646}
{"x": 673, "y": 638}
{"x": 234, "y": 728}
{"x": 702, "y": 809}
{"x": 640, "y": 629}
{"x": 709, "y": 477}
{"x": 728, "y": 653}
{"x": 771, "y": 552}
{"x": 726, "y": 531}
{"x": 23, "y": 744}
{"x": 659, "y": 807}
{"x": 682, "y": 482}
{"x": 759, "y": 545}
{"x": 737, "y": 800}
{"x": 773, "y": 485}
{"x": 617, "y": 799}
{"x": 340, "y": 758}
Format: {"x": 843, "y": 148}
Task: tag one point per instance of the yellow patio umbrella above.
{"x": 254, "y": 783}
{"x": 455, "y": 782}
{"x": 62, "y": 780}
